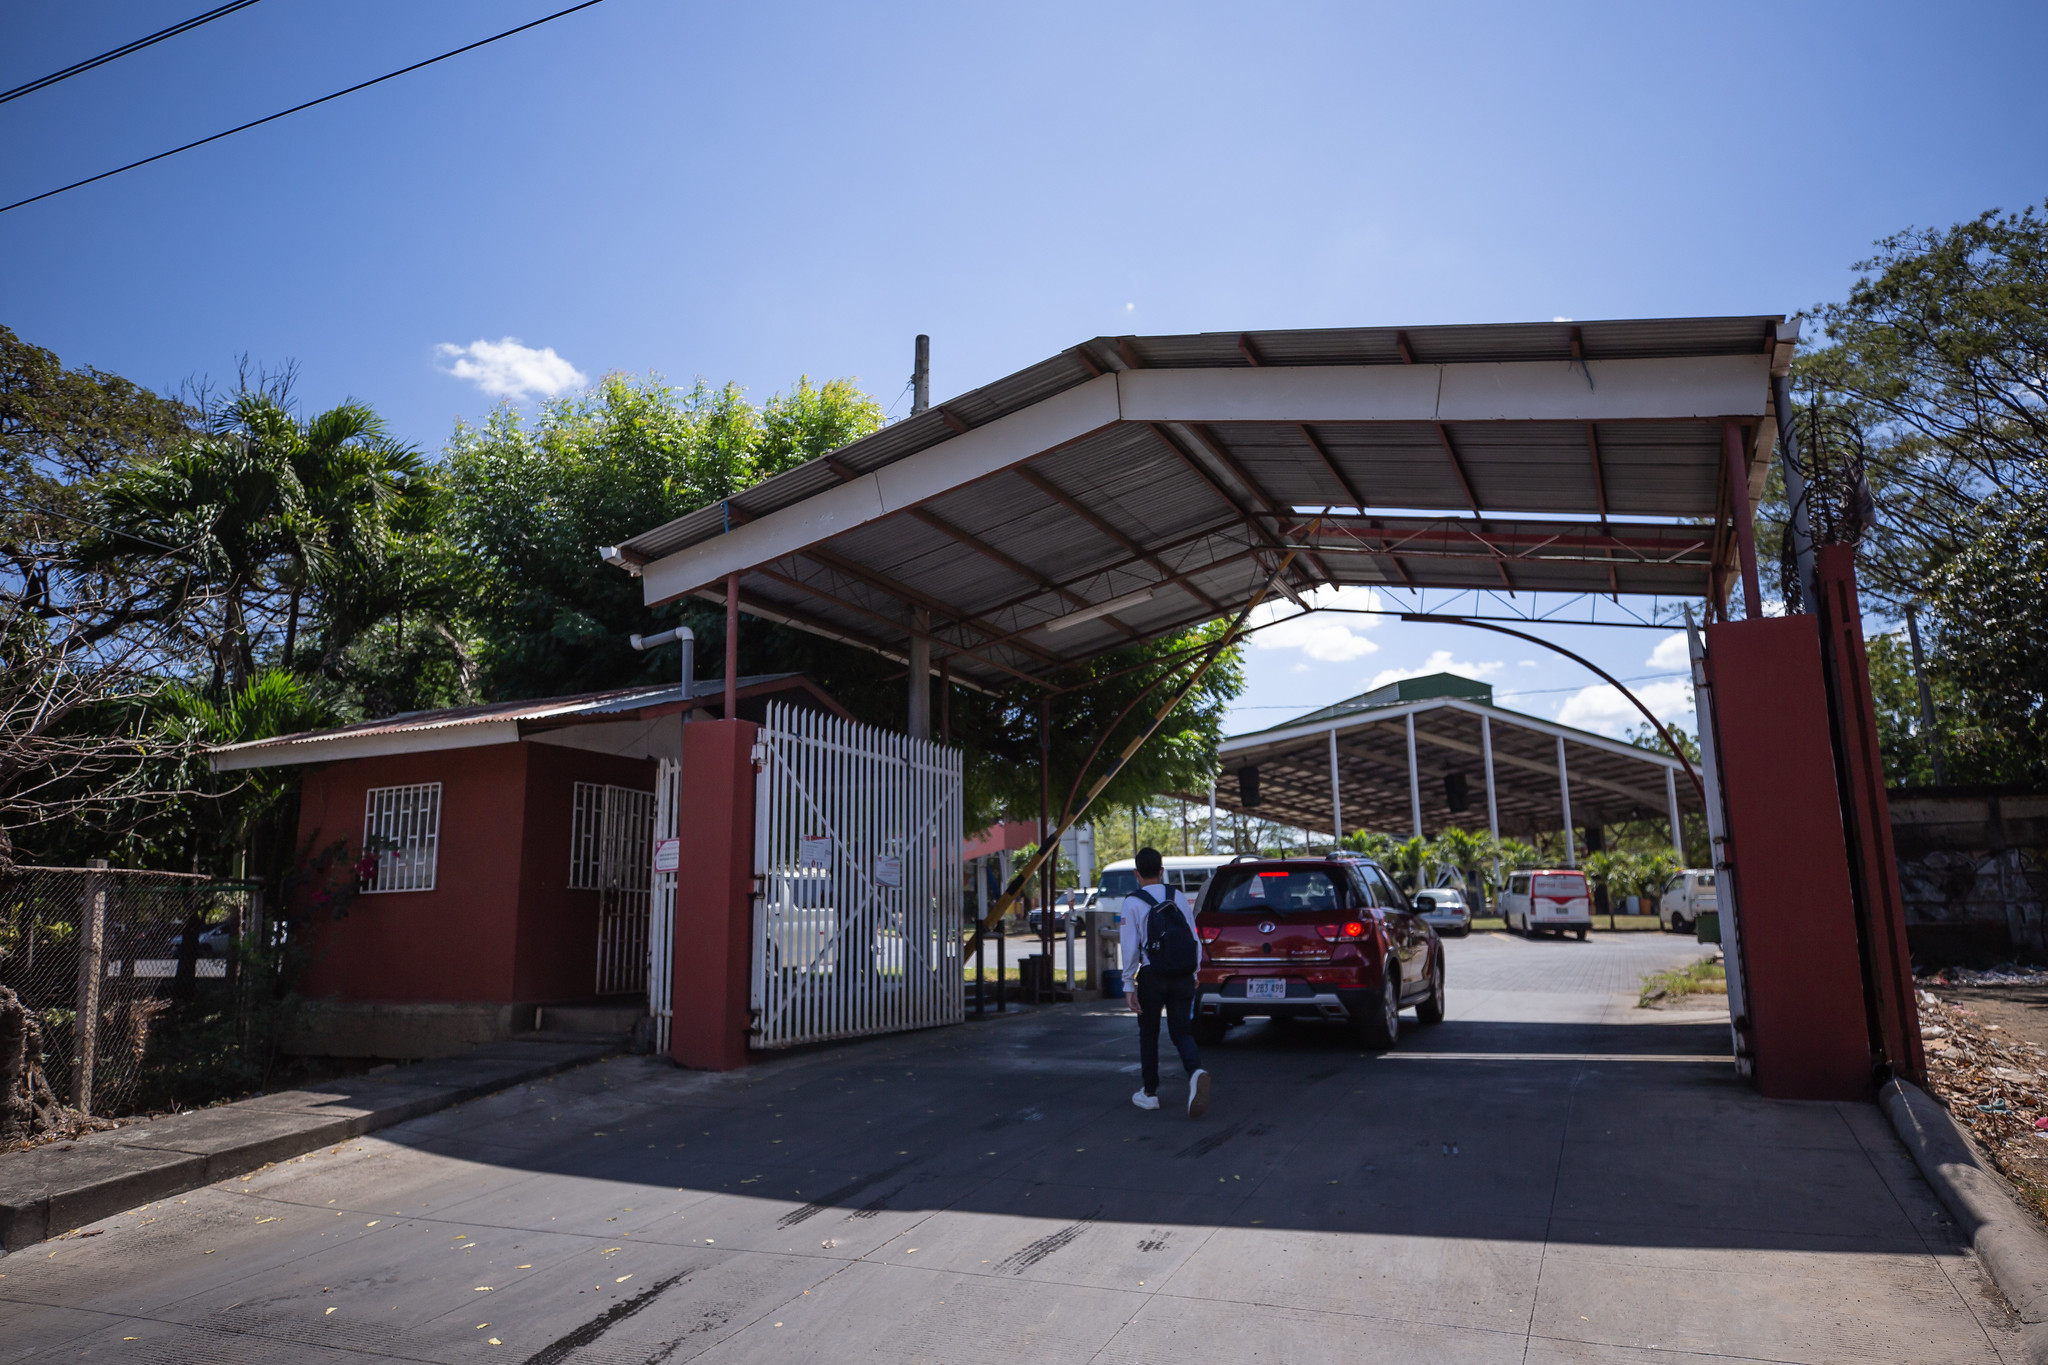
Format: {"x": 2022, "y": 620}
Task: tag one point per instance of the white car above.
{"x": 1547, "y": 900}
{"x": 1444, "y": 909}
{"x": 1686, "y": 896}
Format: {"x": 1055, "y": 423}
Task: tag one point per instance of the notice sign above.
{"x": 814, "y": 850}
{"x": 888, "y": 870}
{"x": 667, "y": 854}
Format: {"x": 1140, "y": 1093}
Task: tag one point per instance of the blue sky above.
{"x": 757, "y": 192}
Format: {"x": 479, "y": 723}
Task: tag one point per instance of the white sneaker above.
{"x": 1198, "y": 1094}
{"x": 1145, "y": 1101}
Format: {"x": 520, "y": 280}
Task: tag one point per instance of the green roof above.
{"x": 1394, "y": 693}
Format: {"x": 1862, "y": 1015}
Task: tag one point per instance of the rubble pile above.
{"x": 1996, "y": 1087}
{"x": 2006, "y": 974}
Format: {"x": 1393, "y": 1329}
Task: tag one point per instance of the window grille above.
{"x": 610, "y": 838}
{"x": 402, "y": 831}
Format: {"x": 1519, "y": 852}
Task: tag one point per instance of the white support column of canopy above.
{"x": 1336, "y": 793}
{"x": 1414, "y": 779}
{"x": 1492, "y": 803}
{"x": 1671, "y": 800}
{"x": 1564, "y": 799}
{"x": 1212, "y": 815}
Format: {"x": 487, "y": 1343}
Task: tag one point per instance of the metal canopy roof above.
{"x": 1133, "y": 486}
{"x": 1609, "y": 781}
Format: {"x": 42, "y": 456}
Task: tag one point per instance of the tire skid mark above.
{"x": 1017, "y": 1262}
{"x": 839, "y": 1196}
{"x": 559, "y": 1349}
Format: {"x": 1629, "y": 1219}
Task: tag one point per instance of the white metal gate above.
{"x": 662, "y": 916}
{"x": 857, "y": 836}
{"x": 611, "y": 850}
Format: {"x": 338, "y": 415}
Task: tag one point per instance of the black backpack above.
{"x": 1169, "y": 945}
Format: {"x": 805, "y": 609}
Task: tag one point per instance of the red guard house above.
{"x": 500, "y": 857}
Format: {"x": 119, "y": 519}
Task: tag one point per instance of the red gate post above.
{"x": 1873, "y": 866}
{"x": 1787, "y": 849}
{"x": 713, "y": 950}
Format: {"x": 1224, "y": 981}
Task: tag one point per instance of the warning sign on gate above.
{"x": 814, "y": 850}
{"x": 888, "y": 870}
{"x": 667, "y": 854}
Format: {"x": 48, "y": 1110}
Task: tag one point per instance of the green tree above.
{"x": 533, "y": 501}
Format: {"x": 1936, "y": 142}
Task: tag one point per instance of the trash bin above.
{"x": 1112, "y": 982}
{"x": 1707, "y": 928}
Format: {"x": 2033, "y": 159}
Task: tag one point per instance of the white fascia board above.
{"x": 331, "y": 748}
{"x": 1498, "y": 715}
{"x": 1513, "y": 391}
{"x": 951, "y": 464}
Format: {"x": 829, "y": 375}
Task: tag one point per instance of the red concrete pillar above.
{"x": 714, "y": 896}
{"x": 1789, "y": 856}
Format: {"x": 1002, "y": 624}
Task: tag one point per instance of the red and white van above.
{"x": 1547, "y": 900}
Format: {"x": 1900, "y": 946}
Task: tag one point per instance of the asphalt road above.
{"x": 1550, "y": 1175}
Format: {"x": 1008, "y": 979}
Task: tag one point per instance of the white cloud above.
{"x": 507, "y": 369}
{"x": 1525, "y": 663}
{"x": 1604, "y": 710}
{"x": 1326, "y": 639}
{"x": 1438, "y": 662}
{"x": 1672, "y": 653}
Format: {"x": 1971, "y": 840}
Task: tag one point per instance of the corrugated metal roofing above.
{"x": 584, "y": 706}
{"x": 1199, "y": 512}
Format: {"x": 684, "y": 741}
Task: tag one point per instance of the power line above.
{"x": 282, "y": 113}
{"x": 140, "y": 43}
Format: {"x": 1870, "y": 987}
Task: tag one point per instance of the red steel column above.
{"x": 1745, "y": 529}
{"x": 732, "y": 649}
{"x": 714, "y": 938}
{"x": 1874, "y": 866}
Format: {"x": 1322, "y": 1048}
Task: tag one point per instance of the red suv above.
{"x": 1314, "y": 938}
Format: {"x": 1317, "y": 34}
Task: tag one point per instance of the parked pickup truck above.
{"x": 1686, "y": 895}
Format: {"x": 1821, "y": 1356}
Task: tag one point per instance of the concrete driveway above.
{"x": 1550, "y": 1175}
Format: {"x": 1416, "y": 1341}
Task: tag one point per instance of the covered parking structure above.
{"x": 1131, "y": 487}
{"x": 1428, "y": 754}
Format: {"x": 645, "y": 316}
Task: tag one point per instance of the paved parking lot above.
{"x": 1550, "y": 1175}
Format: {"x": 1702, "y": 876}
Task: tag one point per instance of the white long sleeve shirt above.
{"x": 1131, "y": 939}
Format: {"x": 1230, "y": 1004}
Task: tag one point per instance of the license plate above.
{"x": 1265, "y": 989}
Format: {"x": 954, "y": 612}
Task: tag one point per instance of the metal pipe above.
{"x": 689, "y": 662}
{"x": 1492, "y": 805}
{"x": 732, "y": 646}
{"x": 1212, "y": 816}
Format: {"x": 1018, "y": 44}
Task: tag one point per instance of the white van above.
{"x": 1686, "y": 896}
{"x": 1186, "y": 875}
{"x": 1547, "y": 900}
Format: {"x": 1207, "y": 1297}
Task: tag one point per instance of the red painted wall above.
{"x": 714, "y": 896}
{"x": 500, "y": 924}
{"x": 1791, "y": 859}
{"x": 557, "y": 936}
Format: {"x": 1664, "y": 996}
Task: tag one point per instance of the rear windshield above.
{"x": 1562, "y": 888}
{"x": 1273, "y": 891}
{"x": 1426, "y": 901}
{"x": 1120, "y": 883}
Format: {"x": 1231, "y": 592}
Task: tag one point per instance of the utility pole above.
{"x": 921, "y": 377}
{"x": 1927, "y": 725}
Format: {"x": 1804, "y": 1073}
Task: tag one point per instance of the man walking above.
{"x": 1160, "y": 949}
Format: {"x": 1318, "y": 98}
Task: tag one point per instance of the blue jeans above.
{"x": 1176, "y": 995}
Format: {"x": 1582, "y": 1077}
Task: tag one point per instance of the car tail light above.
{"x": 1209, "y": 932}
{"x": 1329, "y": 931}
{"x": 1355, "y": 929}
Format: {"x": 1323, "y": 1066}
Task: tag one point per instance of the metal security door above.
{"x": 621, "y": 846}
{"x": 857, "y": 840}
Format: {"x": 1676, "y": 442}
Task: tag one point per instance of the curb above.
{"x": 2006, "y": 1237}
{"x": 50, "y": 1189}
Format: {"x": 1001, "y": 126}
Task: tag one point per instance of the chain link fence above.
{"x": 121, "y": 949}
